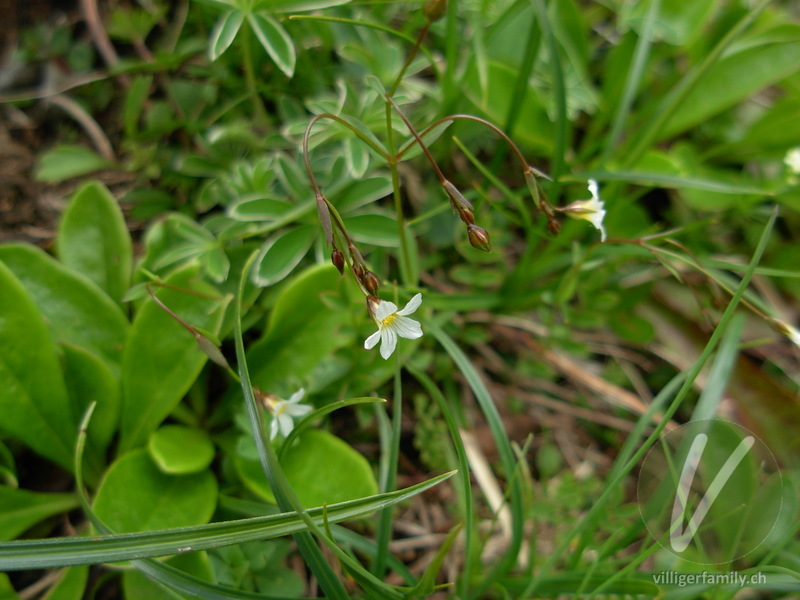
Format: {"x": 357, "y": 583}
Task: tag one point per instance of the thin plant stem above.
{"x": 250, "y": 76}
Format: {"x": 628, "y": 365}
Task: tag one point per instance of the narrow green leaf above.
{"x": 224, "y": 32}
{"x": 275, "y": 40}
{"x": 77, "y": 311}
{"x": 93, "y": 239}
{"x": 162, "y": 359}
{"x": 282, "y": 253}
{"x": 22, "y": 509}
{"x": 134, "y": 102}
{"x": 57, "y": 552}
{"x": 33, "y": 399}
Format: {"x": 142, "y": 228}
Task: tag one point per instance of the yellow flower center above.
{"x": 388, "y": 320}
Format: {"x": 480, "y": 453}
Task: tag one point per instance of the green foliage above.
{"x": 252, "y": 141}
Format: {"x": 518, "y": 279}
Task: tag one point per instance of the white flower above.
{"x": 283, "y": 412}
{"x": 792, "y": 160}
{"x": 591, "y": 210}
{"x": 788, "y": 330}
{"x": 392, "y": 323}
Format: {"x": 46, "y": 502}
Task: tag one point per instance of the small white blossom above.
{"x": 792, "y": 160}
{"x": 788, "y": 330}
{"x": 284, "y": 411}
{"x": 591, "y": 210}
{"x": 392, "y": 323}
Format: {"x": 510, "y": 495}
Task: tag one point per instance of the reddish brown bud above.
{"x": 467, "y": 216}
{"x": 358, "y": 270}
{"x": 479, "y": 238}
{"x": 553, "y": 226}
{"x": 337, "y": 258}
{"x": 434, "y": 9}
{"x": 371, "y": 282}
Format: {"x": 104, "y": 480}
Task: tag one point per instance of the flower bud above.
{"x": 456, "y": 198}
{"x": 434, "y": 9}
{"x": 337, "y": 258}
{"x": 479, "y": 238}
{"x": 358, "y": 270}
{"x": 553, "y": 226}
{"x": 371, "y": 282}
{"x": 467, "y": 216}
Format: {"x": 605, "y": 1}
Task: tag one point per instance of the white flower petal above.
{"x": 388, "y": 342}
{"x": 412, "y": 305}
{"x": 370, "y": 342}
{"x": 298, "y": 410}
{"x": 593, "y": 190}
{"x": 385, "y": 308}
{"x": 297, "y": 396}
{"x": 285, "y": 423}
{"x": 407, "y": 328}
{"x": 273, "y": 428}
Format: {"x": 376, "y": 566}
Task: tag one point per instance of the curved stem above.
{"x": 422, "y": 33}
{"x": 417, "y": 137}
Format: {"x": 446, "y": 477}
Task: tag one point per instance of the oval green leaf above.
{"x": 180, "y": 450}
{"x": 66, "y": 161}
{"x": 275, "y": 40}
{"x": 77, "y": 311}
{"x": 136, "y": 496}
{"x": 93, "y": 239}
{"x": 281, "y": 253}
{"x": 34, "y": 404}
{"x": 162, "y": 359}
{"x": 321, "y": 468}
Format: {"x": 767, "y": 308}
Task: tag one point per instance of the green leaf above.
{"x": 33, "y": 398}
{"x": 7, "y": 591}
{"x": 162, "y": 359}
{"x": 303, "y": 329}
{"x": 281, "y": 253}
{"x": 137, "y": 586}
{"x": 134, "y": 102}
{"x": 362, "y": 192}
{"x": 258, "y": 208}
{"x": 678, "y": 23}
{"x": 275, "y": 40}
{"x": 180, "y": 450}
{"x": 71, "y": 585}
{"x": 225, "y": 31}
{"x": 68, "y": 161}
{"x": 22, "y": 509}
{"x": 136, "y": 496}
{"x": 736, "y": 77}
{"x": 299, "y": 5}
{"x": 93, "y": 239}
{"x": 39, "y": 554}
{"x": 377, "y": 229}
{"x": 89, "y": 379}
{"x": 77, "y": 311}
{"x": 321, "y": 469}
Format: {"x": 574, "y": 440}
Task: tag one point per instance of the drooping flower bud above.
{"x": 434, "y": 9}
{"x": 467, "y": 216}
{"x": 358, "y": 270}
{"x": 337, "y": 258}
{"x": 371, "y": 282}
{"x": 456, "y": 198}
{"x": 479, "y": 238}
